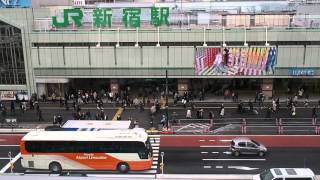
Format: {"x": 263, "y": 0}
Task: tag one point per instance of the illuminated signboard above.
{"x": 15, "y": 3}
{"x": 235, "y": 61}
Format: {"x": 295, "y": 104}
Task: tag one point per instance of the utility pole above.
{"x": 167, "y": 104}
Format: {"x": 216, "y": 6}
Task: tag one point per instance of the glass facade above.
{"x": 12, "y": 68}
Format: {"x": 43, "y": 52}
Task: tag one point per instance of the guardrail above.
{"x": 247, "y": 126}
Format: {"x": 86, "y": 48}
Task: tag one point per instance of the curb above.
{"x": 18, "y": 131}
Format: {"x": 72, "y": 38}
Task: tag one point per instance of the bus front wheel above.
{"x": 55, "y": 167}
{"x": 123, "y": 167}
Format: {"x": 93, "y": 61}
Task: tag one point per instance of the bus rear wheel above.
{"x": 123, "y": 167}
{"x": 55, "y": 167}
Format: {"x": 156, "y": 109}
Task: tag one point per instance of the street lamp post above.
{"x": 167, "y": 104}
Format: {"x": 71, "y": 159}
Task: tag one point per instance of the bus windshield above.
{"x": 266, "y": 175}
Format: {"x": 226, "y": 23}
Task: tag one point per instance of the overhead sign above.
{"x": 7, "y": 96}
{"x": 102, "y": 17}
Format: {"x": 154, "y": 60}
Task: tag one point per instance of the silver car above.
{"x": 243, "y": 145}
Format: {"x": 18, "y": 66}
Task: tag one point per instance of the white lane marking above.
{"x": 233, "y": 159}
{"x": 4, "y": 158}
{"x": 201, "y": 140}
{"x": 219, "y": 167}
{"x": 227, "y": 152}
{"x": 212, "y": 140}
{"x": 206, "y": 167}
{"x": 6, "y": 167}
{"x": 11, "y": 145}
{"x": 204, "y": 152}
{"x": 213, "y": 146}
{"x": 225, "y": 140}
{"x": 242, "y": 168}
{"x": 215, "y": 152}
{"x": 183, "y": 127}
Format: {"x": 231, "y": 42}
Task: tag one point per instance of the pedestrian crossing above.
{"x": 155, "y": 143}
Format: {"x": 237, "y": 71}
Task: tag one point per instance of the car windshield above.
{"x": 266, "y": 175}
{"x": 255, "y": 142}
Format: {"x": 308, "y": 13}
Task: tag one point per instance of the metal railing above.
{"x": 273, "y": 126}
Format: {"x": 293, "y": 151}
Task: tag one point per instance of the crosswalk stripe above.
{"x": 154, "y": 162}
{"x": 154, "y": 167}
{"x": 154, "y": 135}
{"x": 150, "y": 171}
{"x": 155, "y": 158}
{"x": 155, "y": 148}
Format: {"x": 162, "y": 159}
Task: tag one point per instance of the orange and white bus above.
{"x": 121, "y": 150}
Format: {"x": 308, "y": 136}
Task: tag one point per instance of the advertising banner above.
{"x": 235, "y": 61}
{"x": 7, "y": 96}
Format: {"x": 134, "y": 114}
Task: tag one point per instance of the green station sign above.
{"x": 102, "y": 17}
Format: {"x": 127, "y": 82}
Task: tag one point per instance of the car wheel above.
{"x": 261, "y": 153}
{"x": 123, "y": 167}
{"x": 236, "y": 153}
{"x": 55, "y": 167}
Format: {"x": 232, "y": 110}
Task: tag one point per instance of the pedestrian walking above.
{"x": 53, "y": 97}
{"x": 293, "y": 111}
{"x": 314, "y": 112}
{"x": 12, "y": 107}
{"x": 221, "y": 111}
{"x": 306, "y": 102}
{"x": 163, "y": 121}
{"x": 211, "y": 115}
{"x": 188, "y": 116}
{"x": 61, "y": 102}
{"x": 40, "y": 118}
{"x": 201, "y": 114}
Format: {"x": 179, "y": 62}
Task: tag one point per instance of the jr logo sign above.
{"x": 76, "y": 14}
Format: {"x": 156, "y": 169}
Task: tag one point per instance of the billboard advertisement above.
{"x": 235, "y": 61}
{"x": 7, "y": 96}
{"x": 15, "y": 3}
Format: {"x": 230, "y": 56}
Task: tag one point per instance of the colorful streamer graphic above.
{"x": 235, "y": 61}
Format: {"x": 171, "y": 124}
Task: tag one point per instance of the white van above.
{"x": 286, "y": 174}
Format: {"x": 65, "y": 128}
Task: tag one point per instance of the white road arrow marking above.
{"x": 242, "y": 168}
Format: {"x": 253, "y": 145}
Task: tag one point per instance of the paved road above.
{"x": 219, "y": 161}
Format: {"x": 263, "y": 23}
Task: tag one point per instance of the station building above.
{"x": 210, "y": 46}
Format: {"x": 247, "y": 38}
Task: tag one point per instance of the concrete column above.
{"x": 267, "y": 87}
{"x": 183, "y": 85}
{"x": 114, "y": 86}
{"x": 41, "y": 89}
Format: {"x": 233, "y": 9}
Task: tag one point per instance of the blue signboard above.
{"x": 302, "y": 72}
{"x": 15, "y": 3}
